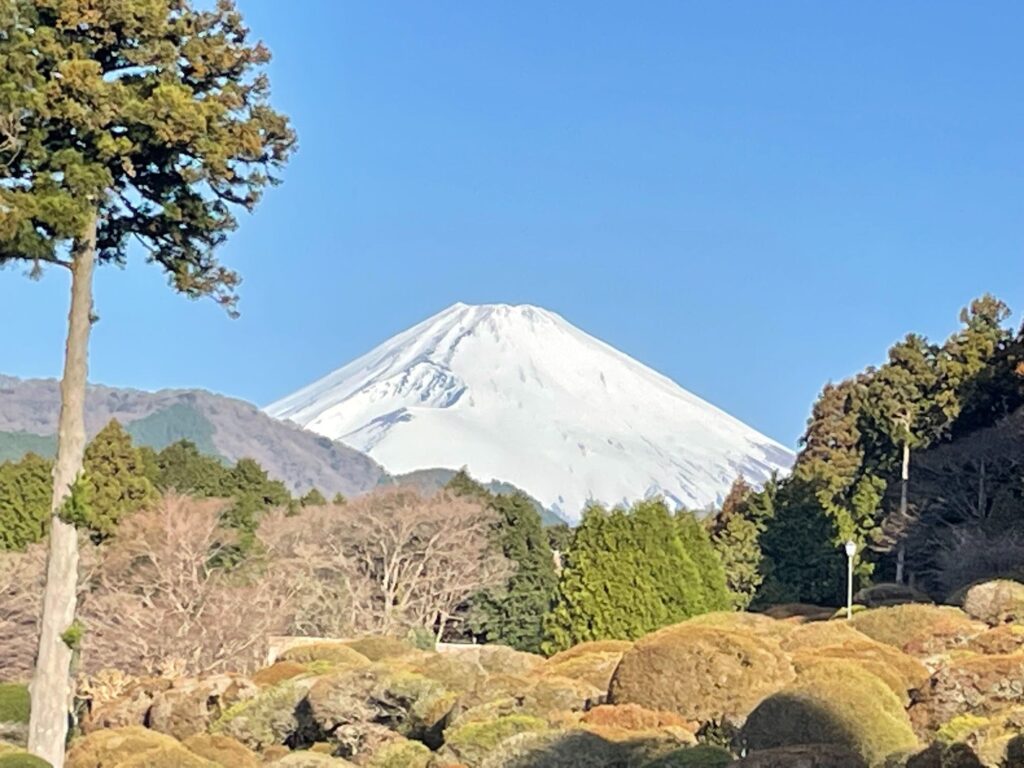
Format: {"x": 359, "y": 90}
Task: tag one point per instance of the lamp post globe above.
{"x": 851, "y": 550}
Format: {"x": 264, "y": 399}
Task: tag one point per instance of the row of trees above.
{"x": 119, "y": 478}
{"x": 854, "y": 477}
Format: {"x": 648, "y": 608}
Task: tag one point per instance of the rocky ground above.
{"x": 912, "y": 685}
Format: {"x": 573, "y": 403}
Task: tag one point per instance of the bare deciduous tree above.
{"x": 156, "y": 596}
{"x": 400, "y": 560}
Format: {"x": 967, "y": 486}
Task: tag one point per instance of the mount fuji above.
{"x": 519, "y": 394}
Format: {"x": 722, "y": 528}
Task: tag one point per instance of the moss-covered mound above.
{"x": 803, "y": 756}
{"x": 739, "y": 621}
{"x": 337, "y": 654}
{"x": 595, "y": 668}
{"x": 995, "y": 602}
{"x": 701, "y": 756}
{"x": 998, "y": 641}
{"x": 798, "y": 613}
{"x": 920, "y": 630}
{"x": 222, "y": 750}
{"x": 400, "y": 753}
{"x": 837, "y": 703}
{"x": 273, "y": 716}
{"x": 474, "y": 741}
{"x": 900, "y": 671}
{"x": 820, "y": 634}
{"x": 995, "y": 740}
{"x": 885, "y": 595}
{"x": 592, "y": 646}
{"x": 191, "y": 704}
{"x": 278, "y": 672}
{"x": 701, "y": 673}
{"x": 563, "y": 694}
{"x": 379, "y": 648}
{"x": 950, "y": 756}
{"x": 393, "y": 697}
{"x": 22, "y": 760}
{"x": 981, "y": 686}
{"x": 633, "y": 717}
{"x": 132, "y": 747}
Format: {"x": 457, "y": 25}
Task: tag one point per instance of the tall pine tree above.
{"x": 115, "y": 482}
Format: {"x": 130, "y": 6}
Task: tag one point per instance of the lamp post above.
{"x": 851, "y": 550}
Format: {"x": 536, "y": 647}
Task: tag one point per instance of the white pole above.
{"x": 851, "y": 550}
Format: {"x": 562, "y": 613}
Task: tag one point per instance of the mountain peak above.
{"x": 518, "y": 393}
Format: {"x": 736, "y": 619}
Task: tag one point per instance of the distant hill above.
{"x": 429, "y": 481}
{"x": 218, "y": 425}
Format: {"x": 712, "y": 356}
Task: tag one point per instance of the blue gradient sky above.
{"x": 750, "y": 197}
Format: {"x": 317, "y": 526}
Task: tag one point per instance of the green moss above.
{"x": 23, "y": 760}
{"x": 377, "y": 648}
{"x": 959, "y": 728}
{"x": 334, "y": 654}
{"x": 267, "y": 718}
{"x": 14, "y": 703}
{"x": 401, "y": 754}
{"x": 472, "y": 741}
{"x": 702, "y": 756}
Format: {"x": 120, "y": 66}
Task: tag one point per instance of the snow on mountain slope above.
{"x": 519, "y": 394}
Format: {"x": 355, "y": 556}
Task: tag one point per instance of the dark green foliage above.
{"x": 26, "y": 488}
{"x": 513, "y": 615}
{"x": 313, "y": 498}
{"x": 802, "y": 562}
{"x": 559, "y": 537}
{"x": 15, "y": 445}
{"x": 14, "y": 703}
{"x": 462, "y": 484}
{"x": 114, "y": 481}
{"x": 149, "y": 117}
{"x": 629, "y": 572}
{"x": 183, "y": 468}
{"x": 339, "y": 499}
{"x": 736, "y": 531}
{"x": 173, "y": 424}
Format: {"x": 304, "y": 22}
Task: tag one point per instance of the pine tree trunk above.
{"x": 51, "y": 684}
{"x": 905, "y": 482}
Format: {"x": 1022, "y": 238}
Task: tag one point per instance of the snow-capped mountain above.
{"x": 519, "y": 394}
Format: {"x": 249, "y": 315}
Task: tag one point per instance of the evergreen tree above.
{"x": 313, "y": 498}
{"x": 25, "y": 490}
{"x": 559, "y": 537}
{"x": 463, "y": 484}
{"x": 182, "y": 468}
{"x": 736, "y": 534}
{"x": 697, "y": 543}
{"x": 114, "y": 476}
{"x": 120, "y": 122}
{"x": 629, "y": 572}
{"x": 513, "y": 615}
{"x": 339, "y": 499}
{"x": 254, "y": 493}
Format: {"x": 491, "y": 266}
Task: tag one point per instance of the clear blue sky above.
{"x": 751, "y": 197}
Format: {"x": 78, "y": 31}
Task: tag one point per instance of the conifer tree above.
{"x": 736, "y": 535}
{"x": 313, "y": 498}
{"x": 697, "y": 543}
{"x": 513, "y": 615}
{"x": 629, "y": 572}
{"x": 115, "y": 481}
{"x": 25, "y": 490}
{"x": 120, "y": 122}
{"x": 182, "y": 468}
{"x": 339, "y": 499}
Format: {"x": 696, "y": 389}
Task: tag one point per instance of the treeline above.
{"x": 119, "y": 478}
{"x": 868, "y": 472}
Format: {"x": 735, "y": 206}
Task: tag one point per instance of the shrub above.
{"x": 556, "y": 749}
{"x": 701, "y": 673}
{"x": 474, "y": 741}
{"x": 222, "y": 750}
{"x": 270, "y": 717}
{"x": 995, "y": 602}
{"x": 883, "y": 595}
{"x": 633, "y": 717}
{"x": 820, "y": 634}
{"x": 742, "y": 621}
{"x": 903, "y": 672}
{"x": 401, "y": 753}
{"x": 990, "y": 737}
{"x": 834, "y": 702}
{"x": 310, "y": 760}
{"x": 803, "y": 756}
{"x": 921, "y": 630}
{"x": 564, "y": 694}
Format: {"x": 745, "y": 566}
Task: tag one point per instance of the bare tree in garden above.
{"x": 140, "y": 122}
